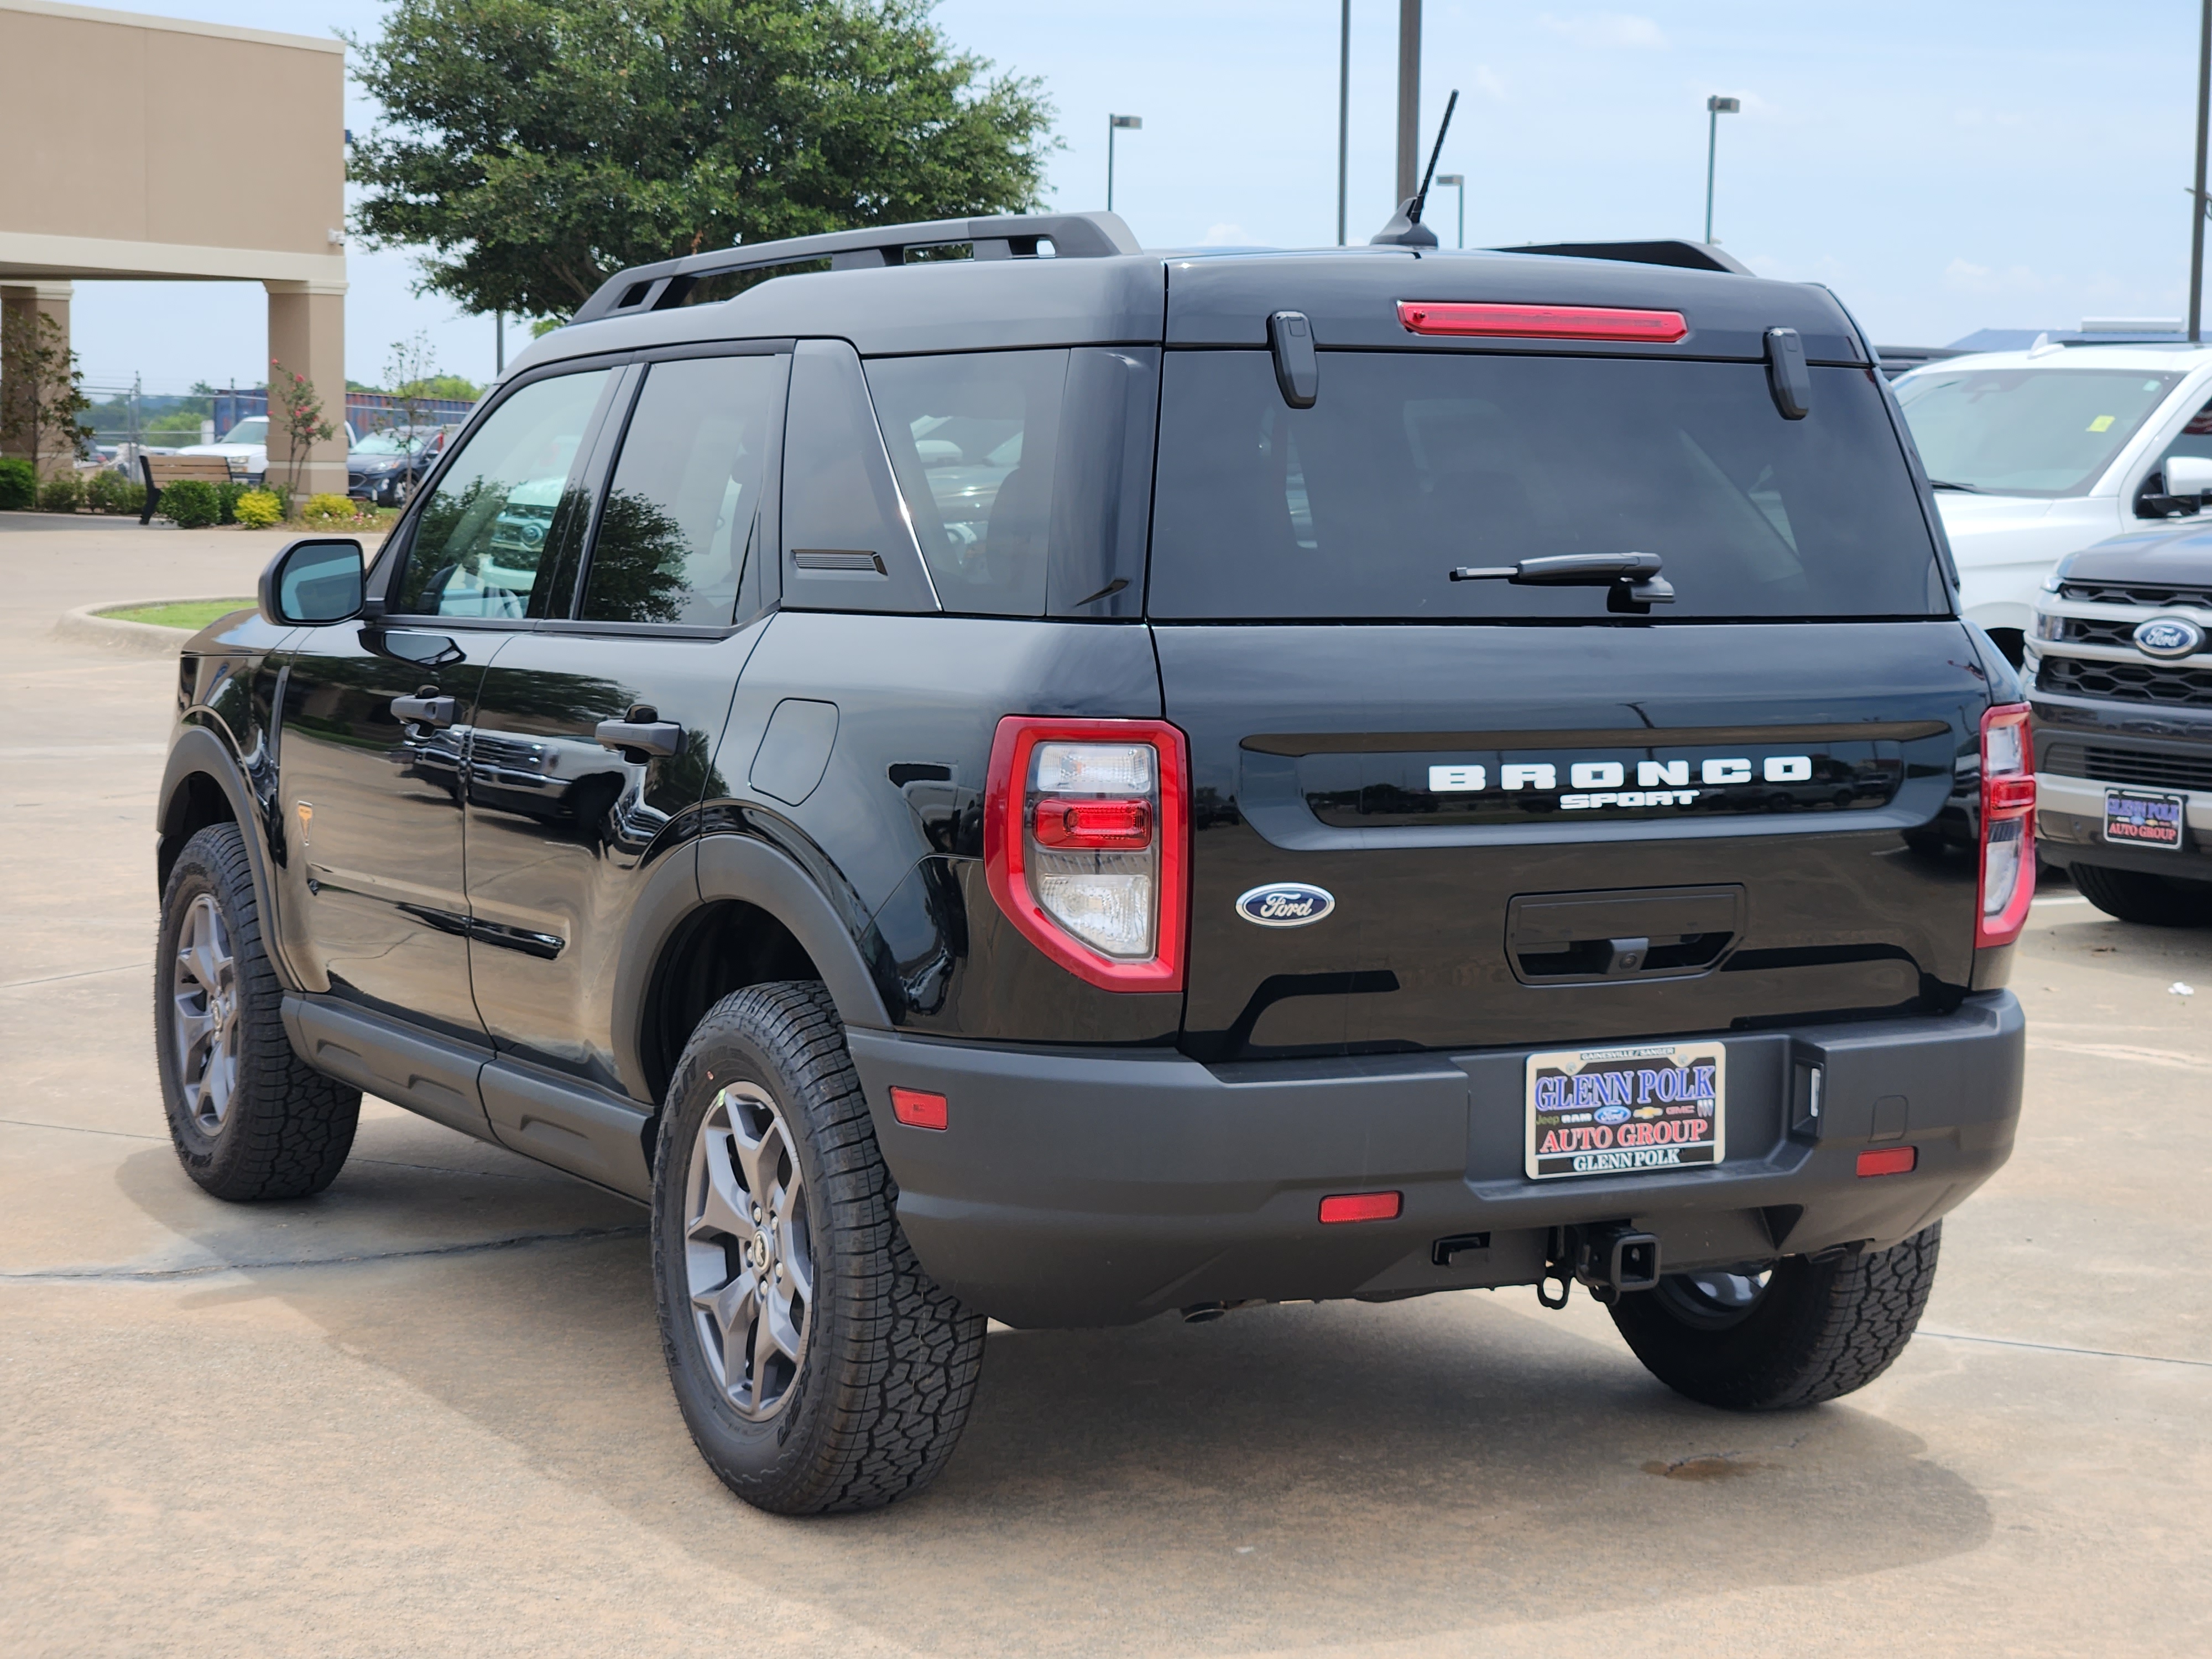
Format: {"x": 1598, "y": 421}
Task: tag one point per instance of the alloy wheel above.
{"x": 747, "y": 1251}
{"x": 203, "y": 1019}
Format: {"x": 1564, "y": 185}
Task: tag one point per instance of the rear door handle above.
{"x": 433, "y": 711}
{"x": 657, "y": 738}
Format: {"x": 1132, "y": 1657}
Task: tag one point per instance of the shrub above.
{"x": 226, "y": 499}
{"x": 61, "y": 494}
{"x": 190, "y": 504}
{"x": 258, "y": 509}
{"x": 109, "y": 491}
{"x": 19, "y": 484}
{"x": 328, "y": 511}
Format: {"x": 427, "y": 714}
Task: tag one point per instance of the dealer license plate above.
{"x": 2133, "y": 818}
{"x": 1626, "y": 1111}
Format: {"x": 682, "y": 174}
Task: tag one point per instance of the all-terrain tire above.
{"x": 889, "y": 1359}
{"x": 282, "y": 1129}
{"x": 1818, "y": 1331}
{"x": 2139, "y": 896}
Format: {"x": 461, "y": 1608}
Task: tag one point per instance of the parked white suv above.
{"x": 248, "y": 442}
{"x": 2035, "y": 455}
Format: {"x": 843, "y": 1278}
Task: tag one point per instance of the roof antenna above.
{"x": 1406, "y": 228}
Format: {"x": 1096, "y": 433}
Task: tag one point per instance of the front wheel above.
{"x": 1798, "y": 1333}
{"x": 818, "y": 1366}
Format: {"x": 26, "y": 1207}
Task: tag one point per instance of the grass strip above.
{"x": 192, "y": 616}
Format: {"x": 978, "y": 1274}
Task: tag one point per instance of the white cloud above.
{"x": 1963, "y": 276}
{"x": 1616, "y": 29}
{"x": 1227, "y": 236}
{"x": 1489, "y": 83}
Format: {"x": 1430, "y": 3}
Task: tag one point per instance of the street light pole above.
{"x": 1344, "y": 119}
{"x": 1409, "y": 98}
{"x": 1133, "y": 124}
{"x": 499, "y": 342}
{"x": 1458, "y": 182}
{"x": 2198, "y": 207}
{"x": 1715, "y": 108}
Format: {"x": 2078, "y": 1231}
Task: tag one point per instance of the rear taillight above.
{"x": 2008, "y": 884}
{"x": 1085, "y": 833}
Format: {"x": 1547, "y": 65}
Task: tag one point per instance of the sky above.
{"x": 1943, "y": 166}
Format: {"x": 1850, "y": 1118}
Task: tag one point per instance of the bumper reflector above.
{"x": 920, "y": 1108}
{"x": 1890, "y": 1160}
{"x": 1361, "y": 1206}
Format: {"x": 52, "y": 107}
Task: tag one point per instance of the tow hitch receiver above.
{"x": 1609, "y": 1261}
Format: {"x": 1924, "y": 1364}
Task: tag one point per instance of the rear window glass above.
{"x": 1410, "y": 464}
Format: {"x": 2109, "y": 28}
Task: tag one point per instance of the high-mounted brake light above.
{"x": 2007, "y": 835}
{"x": 1086, "y": 831}
{"x": 1542, "y": 322}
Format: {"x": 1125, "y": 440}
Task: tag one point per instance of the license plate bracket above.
{"x": 2144, "y": 817}
{"x": 1645, "y": 1109}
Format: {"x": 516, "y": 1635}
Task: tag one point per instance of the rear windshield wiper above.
{"x": 1633, "y": 579}
{"x": 1946, "y": 484}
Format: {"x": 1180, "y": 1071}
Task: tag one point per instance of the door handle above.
{"x": 655, "y": 739}
{"x": 432, "y": 711}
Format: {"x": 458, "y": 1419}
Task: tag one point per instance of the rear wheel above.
{"x": 2139, "y": 896}
{"x": 818, "y": 1366}
{"x": 1795, "y": 1333}
{"x": 250, "y": 1119}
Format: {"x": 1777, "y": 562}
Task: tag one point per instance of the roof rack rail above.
{"x": 1687, "y": 256}
{"x": 1009, "y": 236}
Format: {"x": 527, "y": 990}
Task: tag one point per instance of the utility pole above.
{"x": 1134, "y": 123}
{"x": 499, "y": 342}
{"x": 2197, "y": 207}
{"x": 1717, "y": 107}
{"x": 1344, "y": 119}
{"x": 1458, "y": 182}
{"x": 1409, "y": 97}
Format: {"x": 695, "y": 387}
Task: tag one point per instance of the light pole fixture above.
{"x": 2203, "y": 204}
{"x": 1343, "y": 118}
{"x": 1715, "y": 108}
{"x": 1458, "y": 182}
{"x": 1117, "y": 124}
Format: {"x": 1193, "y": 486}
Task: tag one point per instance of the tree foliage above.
{"x": 537, "y": 147}
{"x": 41, "y": 391}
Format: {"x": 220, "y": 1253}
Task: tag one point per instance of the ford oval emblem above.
{"x": 2169, "y": 637}
{"x": 1285, "y": 904}
{"x": 1611, "y": 1115}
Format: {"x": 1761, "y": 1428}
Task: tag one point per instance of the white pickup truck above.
{"x": 2037, "y": 454}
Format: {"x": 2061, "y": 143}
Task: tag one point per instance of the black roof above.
{"x": 1098, "y": 290}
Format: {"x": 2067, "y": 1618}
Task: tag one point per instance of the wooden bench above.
{"x": 158, "y": 469}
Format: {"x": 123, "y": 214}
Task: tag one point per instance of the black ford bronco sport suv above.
{"x": 2121, "y": 659}
{"x": 1065, "y": 788}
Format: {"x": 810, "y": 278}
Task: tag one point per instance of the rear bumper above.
{"x": 1088, "y": 1187}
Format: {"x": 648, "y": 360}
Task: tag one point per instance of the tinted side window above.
{"x": 506, "y": 509}
{"x": 685, "y": 506}
{"x": 974, "y": 439}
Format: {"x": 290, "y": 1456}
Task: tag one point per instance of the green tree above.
{"x": 539, "y": 146}
{"x": 297, "y": 408}
{"x": 41, "y": 391}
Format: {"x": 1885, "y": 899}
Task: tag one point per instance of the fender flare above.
{"x": 741, "y": 867}
{"x": 198, "y": 750}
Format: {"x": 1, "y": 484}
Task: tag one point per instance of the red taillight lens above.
{"x": 1118, "y": 825}
{"x": 2008, "y": 834}
{"x": 1085, "y": 845}
{"x": 1542, "y": 322}
{"x": 1890, "y": 1160}
{"x": 919, "y": 1107}
{"x": 1361, "y": 1206}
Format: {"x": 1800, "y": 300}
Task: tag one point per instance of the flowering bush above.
{"x": 257, "y": 509}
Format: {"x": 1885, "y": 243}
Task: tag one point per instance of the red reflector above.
{"x": 1543, "y": 322}
{"x": 1890, "y": 1160}
{"x": 1361, "y": 1206}
{"x": 1115, "y": 825}
{"x": 918, "y": 1107}
{"x": 2011, "y": 794}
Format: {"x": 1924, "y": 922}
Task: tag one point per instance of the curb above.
{"x": 134, "y": 639}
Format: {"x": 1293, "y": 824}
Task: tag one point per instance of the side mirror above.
{"x": 312, "y": 581}
{"x": 2188, "y": 475}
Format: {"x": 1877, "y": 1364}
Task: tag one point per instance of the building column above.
{"x": 307, "y": 336}
{"x": 27, "y": 299}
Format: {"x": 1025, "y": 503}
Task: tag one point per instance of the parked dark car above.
{"x": 385, "y": 465}
{"x": 1136, "y": 785}
{"x": 2121, "y": 659}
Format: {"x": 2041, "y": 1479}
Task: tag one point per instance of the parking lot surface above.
{"x": 426, "y": 1412}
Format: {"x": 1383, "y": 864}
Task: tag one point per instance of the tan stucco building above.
{"x": 95, "y": 183}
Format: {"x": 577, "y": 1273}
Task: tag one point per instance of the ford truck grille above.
{"x": 2155, "y": 597}
{"x": 2172, "y": 686}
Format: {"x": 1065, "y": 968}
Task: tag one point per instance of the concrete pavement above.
{"x": 427, "y": 1412}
